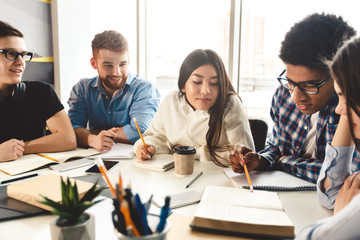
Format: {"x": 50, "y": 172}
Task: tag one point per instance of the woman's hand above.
{"x": 347, "y": 192}
{"x": 143, "y": 154}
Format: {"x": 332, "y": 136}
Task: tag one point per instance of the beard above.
{"x": 113, "y": 86}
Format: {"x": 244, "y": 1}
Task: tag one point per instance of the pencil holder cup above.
{"x": 154, "y": 236}
{"x": 184, "y": 158}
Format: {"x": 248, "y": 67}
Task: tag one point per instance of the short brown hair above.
{"x": 6, "y": 30}
{"x": 111, "y": 40}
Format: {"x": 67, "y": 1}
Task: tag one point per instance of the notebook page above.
{"x": 275, "y": 179}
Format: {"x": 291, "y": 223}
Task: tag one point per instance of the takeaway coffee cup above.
{"x": 184, "y": 158}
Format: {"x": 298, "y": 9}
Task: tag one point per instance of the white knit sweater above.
{"x": 176, "y": 123}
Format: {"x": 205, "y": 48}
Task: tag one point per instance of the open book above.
{"x": 33, "y": 161}
{"x": 48, "y": 185}
{"x": 158, "y": 162}
{"x": 240, "y": 211}
{"x": 270, "y": 180}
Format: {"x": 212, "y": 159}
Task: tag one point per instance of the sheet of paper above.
{"x": 267, "y": 178}
{"x": 241, "y": 197}
{"x": 118, "y": 151}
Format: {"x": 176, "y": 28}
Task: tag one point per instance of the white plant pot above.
{"x": 83, "y": 231}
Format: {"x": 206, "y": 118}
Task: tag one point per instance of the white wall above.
{"x": 72, "y": 44}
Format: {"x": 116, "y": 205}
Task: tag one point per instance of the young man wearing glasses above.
{"x": 102, "y": 108}
{"x": 303, "y": 106}
{"x": 27, "y": 108}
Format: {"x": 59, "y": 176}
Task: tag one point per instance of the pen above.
{"x": 137, "y": 126}
{"x": 247, "y": 175}
{"x": 113, "y": 139}
{"x": 128, "y": 210}
{"x": 143, "y": 227}
{"x": 192, "y": 181}
{"x": 41, "y": 155}
{"x": 119, "y": 221}
{"x": 19, "y": 178}
{"x": 130, "y": 226}
{"x": 147, "y": 204}
{"x": 102, "y": 168}
{"x": 163, "y": 215}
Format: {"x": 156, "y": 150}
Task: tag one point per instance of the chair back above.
{"x": 259, "y": 129}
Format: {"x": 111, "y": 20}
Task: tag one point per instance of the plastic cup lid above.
{"x": 185, "y": 150}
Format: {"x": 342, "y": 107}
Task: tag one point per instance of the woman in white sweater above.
{"x": 205, "y": 113}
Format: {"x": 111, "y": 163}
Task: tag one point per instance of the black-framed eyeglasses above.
{"x": 12, "y": 55}
{"x": 309, "y": 87}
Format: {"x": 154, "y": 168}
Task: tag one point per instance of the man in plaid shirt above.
{"x": 303, "y": 106}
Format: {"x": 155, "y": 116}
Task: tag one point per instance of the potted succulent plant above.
{"x": 73, "y": 222}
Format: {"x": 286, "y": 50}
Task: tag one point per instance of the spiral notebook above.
{"x": 278, "y": 181}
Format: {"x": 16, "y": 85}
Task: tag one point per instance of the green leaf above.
{"x": 72, "y": 207}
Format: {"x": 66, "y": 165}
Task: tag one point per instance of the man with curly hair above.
{"x": 303, "y": 106}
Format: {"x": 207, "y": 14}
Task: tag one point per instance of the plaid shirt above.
{"x": 290, "y": 129}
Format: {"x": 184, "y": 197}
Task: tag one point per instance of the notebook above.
{"x": 158, "y": 162}
{"x": 179, "y": 199}
{"x": 12, "y": 209}
{"x": 118, "y": 151}
{"x": 48, "y": 185}
{"x": 239, "y": 211}
{"x": 70, "y": 165}
{"x": 34, "y": 161}
{"x": 270, "y": 180}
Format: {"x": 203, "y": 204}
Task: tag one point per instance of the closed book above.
{"x": 239, "y": 211}
{"x": 49, "y": 185}
{"x": 158, "y": 162}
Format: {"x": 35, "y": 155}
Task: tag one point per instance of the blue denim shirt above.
{"x": 91, "y": 107}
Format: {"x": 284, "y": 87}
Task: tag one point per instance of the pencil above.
{"x": 192, "y": 181}
{"x": 41, "y": 155}
{"x": 137, "y": 126}
{"x": 103, "y": 171}
{"x": 120, "y": 186}
{"x": 247, "y": 175}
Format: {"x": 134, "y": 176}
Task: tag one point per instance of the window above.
{"x": 263, "y": 27}
{"x": 176, "y": 28}
{"x": 161, "y": 33}
{"x": 119, "y": 15}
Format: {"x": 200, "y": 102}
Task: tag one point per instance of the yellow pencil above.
{"x": 247, "y": 175}
{"x": 41, "y": 155}
{"x": 137, "y": 126}
{"x": 120, "y": 184}
{"x": 103, "y": 171}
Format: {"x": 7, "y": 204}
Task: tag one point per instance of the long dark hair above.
{"x": 345, "y": 68}
{"x": 193, "y": 61}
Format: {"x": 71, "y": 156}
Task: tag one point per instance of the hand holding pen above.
{"x": 103, "y": 141}
{"x": 244, "y": 155}
{"x": 144, "y": 154}
{"x": 144, "y": 151}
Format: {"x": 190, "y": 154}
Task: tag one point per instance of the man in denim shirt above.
{"x": 303, "y": 107}
{"x": 107, "y": 103}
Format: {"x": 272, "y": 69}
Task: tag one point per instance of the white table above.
{"x": 302, "y": 207}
